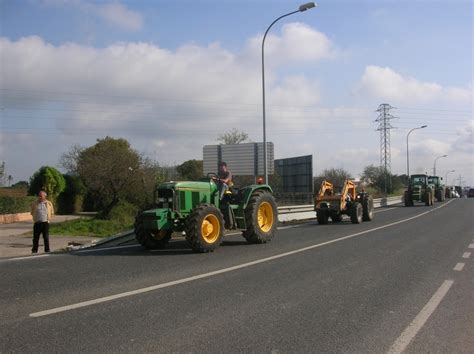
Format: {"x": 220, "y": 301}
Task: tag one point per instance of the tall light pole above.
{"x": 302, "y": 8}
{"x": 446, "y": 176}
{"x": 408, "y": 158}
{"x": 436, "y": 159}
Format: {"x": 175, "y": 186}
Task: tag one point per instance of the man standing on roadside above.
{"x": 42, "y": 211}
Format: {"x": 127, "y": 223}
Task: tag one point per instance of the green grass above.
{"x": 89, "y": 227}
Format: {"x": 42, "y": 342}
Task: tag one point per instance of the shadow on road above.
{"x": 174, "y": 248}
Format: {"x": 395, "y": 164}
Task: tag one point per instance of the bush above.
{"x": 48, "y": 179}
{"x": 123, "y": 213}
{"x": 13, "y": 205}
{"x": 71, "y": 199}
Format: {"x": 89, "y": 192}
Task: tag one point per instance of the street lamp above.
{"x": 408, "y": 159}
{"x": 436, "y": 159}
{"x": 302, "y": 8}
{"x": 446, "y": 177}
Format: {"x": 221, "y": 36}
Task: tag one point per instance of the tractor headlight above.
{"x": 161, "y": 200}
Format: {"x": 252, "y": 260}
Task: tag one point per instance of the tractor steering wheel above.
{"x": 212, "y": 175}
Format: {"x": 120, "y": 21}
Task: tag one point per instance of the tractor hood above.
{"x": 194, "y": 186}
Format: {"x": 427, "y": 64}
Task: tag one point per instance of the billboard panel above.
{"x": 296, "y": 174}
{"x": 242, "y": 159}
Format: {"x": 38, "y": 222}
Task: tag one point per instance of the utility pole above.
{"x": 384, "y": 127}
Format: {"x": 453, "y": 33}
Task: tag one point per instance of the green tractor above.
{"x": 196, "y": 209}
{"x": 419, "y": 190}
{"x": 439, "y": 189}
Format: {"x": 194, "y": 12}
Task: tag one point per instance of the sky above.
{"x": 170, "y": 76}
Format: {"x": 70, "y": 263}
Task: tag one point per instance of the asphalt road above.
{"x": 401, "y": 282}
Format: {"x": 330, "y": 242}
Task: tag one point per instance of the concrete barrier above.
{"x": 11, "y": 218}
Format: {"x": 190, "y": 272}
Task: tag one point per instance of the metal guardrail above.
{"x": 380, "y": 202}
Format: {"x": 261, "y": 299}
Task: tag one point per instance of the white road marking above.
{"x": 221, "y": 271}
{"x": 459, "y": 267}
{"x": 471, "y": 245}
{"x": 27, "y": 257}
{"x": 466, "y": 255}
{"x": 414, "y": 327}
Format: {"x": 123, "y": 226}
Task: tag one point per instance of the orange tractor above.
{"x": 359, "y": 206}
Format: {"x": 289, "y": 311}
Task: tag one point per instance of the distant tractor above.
{"x": 196, "y": 209}
{"x": 328, "y": 204}
{"x": 439, "y": 189}
{"x": 419, "y": 190}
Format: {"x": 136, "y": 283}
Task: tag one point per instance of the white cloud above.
{"x": 118, "y": 14}
{"x": 297, "y": 42}
{"x": 171, "y": 101}
{"x": 387, "y": 84}
{"x": 114, "y": 13}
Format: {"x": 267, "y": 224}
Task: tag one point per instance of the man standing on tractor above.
{"x": 223, "y": 179}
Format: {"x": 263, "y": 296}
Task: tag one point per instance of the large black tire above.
{"x": 439, "y": 195}
{"x": 356, "y": 213}
{"x": 407, "y": 199}
{"x": 261, "y": 217}
{"x": 204, "y": 228}
{"x": 335, "y": 216}
{"x": 322, "y": 215}
{"x": 367, "y": 208}
{"x": 151, "y": 240}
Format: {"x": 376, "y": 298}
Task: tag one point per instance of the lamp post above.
{"x": 302, "y": 8}
{"x": 436, "y": 159}
{"x": 408, "y": 158}
{"x": 446, "y": 176}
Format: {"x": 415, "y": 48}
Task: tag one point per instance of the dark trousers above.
{"x": 38, "y": 229}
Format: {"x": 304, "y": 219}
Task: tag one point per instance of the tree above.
{"x": 111, "y": 170}
{"x": 336, "y": 176}
{"x": 69, "y": 159}
{"x": 375, "y": 176}
{"x": 48, "y": 179}
{"x": 190, "y": 170}
{"x": 233, "y": 136}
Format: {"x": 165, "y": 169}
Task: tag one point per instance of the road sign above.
{"x": 296, "y": 174}
{"x": 242, "y": 159}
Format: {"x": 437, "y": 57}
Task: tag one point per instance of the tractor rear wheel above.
{"x": 356, "y": 213}
{"x": 407, "y": 199}
{"x": 322, "y": 215}
{"x": 151, "y": 240}
{"x": 204, "y": 228}
{"x": 367, "y": 208}
{"x": 261, "y": 217}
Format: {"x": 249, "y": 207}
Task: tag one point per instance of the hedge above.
{"x": 13, "y": 205}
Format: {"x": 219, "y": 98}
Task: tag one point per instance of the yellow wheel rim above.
{"x": 160, "y": 235}
{"x": 265, "y": 216}
{"x": 210, "y": 228}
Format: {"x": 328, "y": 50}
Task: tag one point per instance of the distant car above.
{"x": 470, "y": 194}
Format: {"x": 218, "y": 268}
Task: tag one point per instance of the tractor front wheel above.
{"x": 261, "y": 218}
{"x": 407, "y": 199}
{"x": 151, "y": 240}
{"x": 205, "y": 228}
{"x": 356, "y": 213}
{"x": 368, "y": 208}
{"x": 322, "y": 215}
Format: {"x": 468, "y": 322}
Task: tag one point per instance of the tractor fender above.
{"x": 249, "y": 190}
